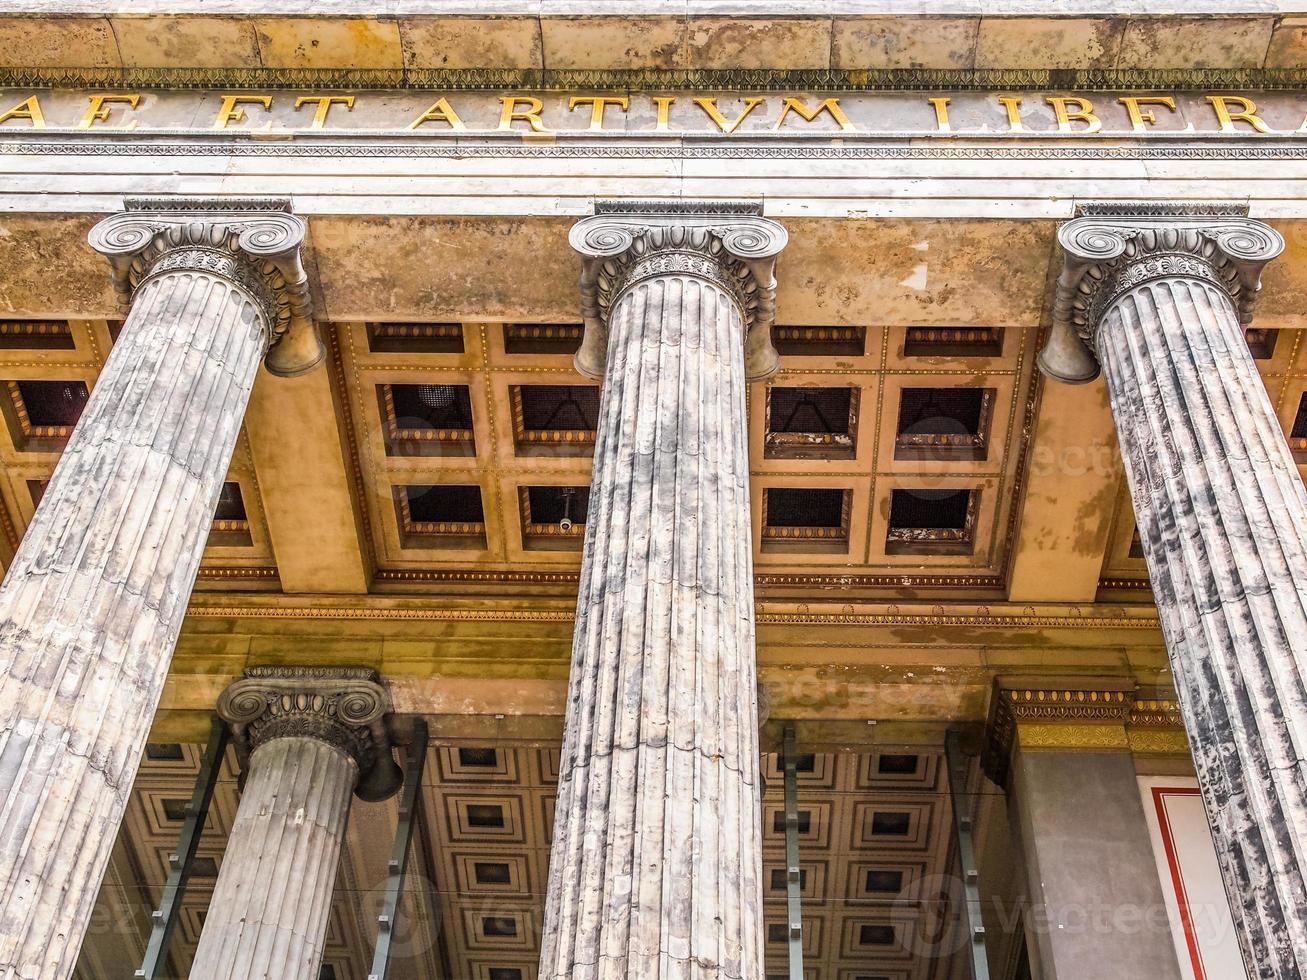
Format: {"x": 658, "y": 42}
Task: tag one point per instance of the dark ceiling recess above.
{"x": 555, "y": 419}
{"x": 805, "y": 519}
{"x": 427, "y": 420}
{"x": 811, "y": 423}
{"x": 819, "y": 341}
{"x": 1261, "y": 342}
{"x": 441, "y": 516}
{"x": 1298, "y": 434}
{"x": 944, "y": 423}
{"x": 953, "y": 342}
{"x": 415, "y": 338}
{"x": 542, "y": 338}
{"x": 931, "y": 521}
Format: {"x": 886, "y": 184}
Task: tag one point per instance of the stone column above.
{"x": 1160, "y": 300}
{"x": 91, "y": 606}
{"x": 656, "y": 863}
{"x": 314, "y": 735}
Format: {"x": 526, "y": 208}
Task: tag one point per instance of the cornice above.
{"x": 253, "y": 242}
{"x": 663, "y": 79}
{"x": 729, "y": 244}
{"x": 1077, "y": 714}
{"x": 342, "y": 706}
{"x": 220, "y": 606}
{"x": 1114, "y": 248}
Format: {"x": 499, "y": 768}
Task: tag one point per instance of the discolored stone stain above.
{"x": 423, "y": 268}
{"x": 32, "y": 245}
{"x": 729, "y": 43}
{"x": 1090, "y": 520}
{"x": 301, "y": 42}
{"x": 832, "y": 274}
{"x": 597, "y": 42}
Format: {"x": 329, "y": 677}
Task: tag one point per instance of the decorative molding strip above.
{"x": 1213, "y": 147}
{"x": 1079, "y": 714}
{"x": 219, "y": 609}
{"x": 662, "y": 79}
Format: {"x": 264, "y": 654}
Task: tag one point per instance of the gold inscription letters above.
{"x": 791, "y": 115}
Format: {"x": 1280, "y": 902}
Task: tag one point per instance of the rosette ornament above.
{"x": 1108, "y": 254}
{"x": 728, "y": 244}
{"x": 252, "y": 243}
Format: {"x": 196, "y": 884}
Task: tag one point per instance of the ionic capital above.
{"x": 342, "y": 706}
{"x": 1114, "y": 248}
{"x": 255, "y": 243}
{"x": 728, "y": 244}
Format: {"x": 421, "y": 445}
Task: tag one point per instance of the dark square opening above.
{"x": 1261, "y": 342}
{"x": 328, "y": 972}
{"x": 810, "y": 410}
{"x": 543, "y": 521}
{"x": 492, "y": 873}
{"x": 542, "y": 338}
{"x": 415, "y": 338}
{"x": 803, "y": 821}
{"x": 427, "y": 420}
{"x": 943, "y": 423}
{"x": 1298, "y": 434}
{"x": 929, "y": 521}
{"x": 488, "y": 815}
{"x": 953, "y": 342}
{"x": 884, "y": 881}
{"x": 890, "y": 764}
{"x": 485, "y": 758}
{"x": 804, "y": 507}
{"x": 204, "y": 867}
{"x": 505, "y": 973}
{"x": 778, "y": 932}
{"x": 164, "y": 751}
{"x": 231, "y": 526}
{"x": 807, "y": 762}
{"x": 41, "y": 414}
{"x": 175, "y": 809}
{"x": 891, "y": 823}
{"x": 555, "y": 420}
{"x": 811, "y": 423}
{"x": 805, "y": 519}
{"x": 875, "y": 935}
{"x": 440, "y": 516}
{"x": 500, "y": 926}
{"x": 54, "y": 404}
{"x": 780, "y": 879}
{"x": 819, "y": 341}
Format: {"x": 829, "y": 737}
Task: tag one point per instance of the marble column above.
{"x": 93, "y": 601}
{"x": 314, "y": 736}
{"x": 656, "y": 863}
{"x": 1160, "y": 301}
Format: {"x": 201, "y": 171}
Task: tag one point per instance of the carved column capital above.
{"x": 255, "y": 243}
{"x": 728, "y": 244}
{"x": 1111, "y": 249}
{"x": 342, "y": 706}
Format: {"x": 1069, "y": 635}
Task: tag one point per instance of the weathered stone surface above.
{"x": 93, "y": 602}
{"x": 316, "y": 734}
{"x": 1222, "y": 515}
{"x": 656, "y": 863}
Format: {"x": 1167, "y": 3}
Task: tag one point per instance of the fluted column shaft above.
{"x": 656, "y": 863}
{"x": 1222, "y": 514}
{"x": 267, "y": 919}
{"x": 92, "y": 604}
{"x": 314, "y": 736}
{"x": 1223, "y": 519}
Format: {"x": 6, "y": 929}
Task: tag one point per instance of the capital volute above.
{"x": 1111, "y": 249}
{"x": 345, "y": 707}
{"x": 255, "y": 243}
{"x": 730, "y": 244}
